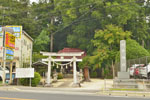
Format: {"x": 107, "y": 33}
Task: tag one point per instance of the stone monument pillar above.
{"x": 123, "y": 74}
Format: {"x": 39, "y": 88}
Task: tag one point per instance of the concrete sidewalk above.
{"x": 63, "y": 85}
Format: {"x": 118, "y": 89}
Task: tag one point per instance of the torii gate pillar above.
{"x": 48, "y": 83}
{"x": 74, "y": 71}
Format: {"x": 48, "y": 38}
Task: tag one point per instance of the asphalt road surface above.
{"x": 7, "y": 95}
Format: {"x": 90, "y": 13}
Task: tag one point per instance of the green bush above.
{"x": 133, "y": 50}
{"x": 109, "y": 77}
{"x": 35, "y": 81}
{"x": 60, "y": 76}
{"x": 93, "y": 75}
{"x": 24, "y": 81}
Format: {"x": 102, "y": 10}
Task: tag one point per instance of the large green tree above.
{"x": 79, "y": 19}
{"x": 74, "y": 23}
{"x": 107, "y": 43}
{"x": 134, "y": 50}
{"x": 41, "y": 42}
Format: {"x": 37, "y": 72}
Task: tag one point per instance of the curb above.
{"x": 9, "y": 89}
{"x": 51, "y": 90}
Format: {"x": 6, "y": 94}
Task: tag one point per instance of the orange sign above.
{"x": 10, "y": 40}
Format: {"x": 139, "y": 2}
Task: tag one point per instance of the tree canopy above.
{"x": 96, "y": 26}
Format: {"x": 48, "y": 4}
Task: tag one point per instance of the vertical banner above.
{"x": 10, "y": 45}
{"x": 10, "y": 40}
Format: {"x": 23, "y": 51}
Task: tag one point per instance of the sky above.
{"x": 34, "y": 0}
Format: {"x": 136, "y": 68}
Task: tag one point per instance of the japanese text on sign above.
{"x": 24, "y": 72}
{"x": 10, "y": 52}
{"x": 10, "y": 40}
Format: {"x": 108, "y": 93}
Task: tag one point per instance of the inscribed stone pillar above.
{"x": 123, "y": 56}
{"x": 123, "y": 74}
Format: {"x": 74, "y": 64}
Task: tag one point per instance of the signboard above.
{"x": 17, "y": 30}
{"x": 9, "y": 57}
{"x": 9, "y": 40}
{"x": 1, "y": 33}
{"x": 9, "y": 54}
{"x": 24, "y": 72}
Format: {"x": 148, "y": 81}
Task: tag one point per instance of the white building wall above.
{"x": 26, "y": 50}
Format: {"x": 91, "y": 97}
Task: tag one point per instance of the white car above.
{"x": 145, "y": 71}
{"x": 132, "y": 69}
{"x": 2, "y": 72}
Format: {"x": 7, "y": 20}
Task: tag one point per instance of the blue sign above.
{"x": 10, "y": 52}
{"x": 16, "y": 29}
{"x": 0, "y": 29}
{"x": 1, "y": 34}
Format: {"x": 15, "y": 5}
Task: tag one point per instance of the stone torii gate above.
{"x": 61, "y": 59}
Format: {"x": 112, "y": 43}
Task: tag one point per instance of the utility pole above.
{"x": 11, "y": 65}
{"x": 52, "y": 34}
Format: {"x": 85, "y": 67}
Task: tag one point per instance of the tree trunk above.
{"x": 51, "y": 44}
{"x": 143, "y": 43}
{"x": 113, "y": 69}
{"x": 86, "y": 74}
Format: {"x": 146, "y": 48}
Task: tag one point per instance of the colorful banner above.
{"x": 10, "y": 40}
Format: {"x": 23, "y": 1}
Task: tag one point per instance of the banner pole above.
{"x": 4, "y": 59}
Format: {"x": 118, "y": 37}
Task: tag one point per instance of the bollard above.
{"x": 143, "y": 84}
{"x": 104, "y": 84}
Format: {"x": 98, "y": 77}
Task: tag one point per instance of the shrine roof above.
{"x": 72, "y": 50}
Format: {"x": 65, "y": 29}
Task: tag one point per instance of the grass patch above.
{"x": 1, "y": 83}
{"x": 123, "y": 89}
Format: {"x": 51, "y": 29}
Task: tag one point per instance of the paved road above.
{"x": 7, "y": 95}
